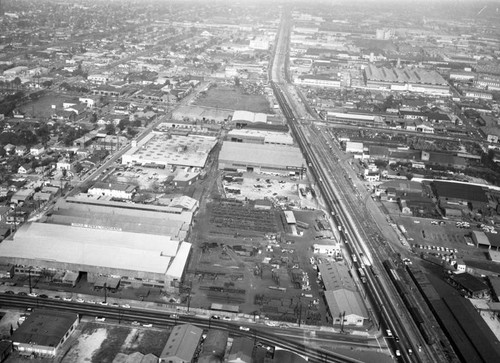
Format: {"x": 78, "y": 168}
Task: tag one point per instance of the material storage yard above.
{"x": 248, "y": 256}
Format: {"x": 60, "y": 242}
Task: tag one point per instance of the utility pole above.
{"x": 105, "y": 295}
{"x": 29, "y": 279}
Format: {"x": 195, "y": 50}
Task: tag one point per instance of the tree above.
{"x": 17, "y": 82}
{"x": 110, "y": 129}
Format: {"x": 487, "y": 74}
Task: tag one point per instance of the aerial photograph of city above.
{"x": 250, "y": 181}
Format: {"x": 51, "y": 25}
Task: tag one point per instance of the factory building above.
{"x": 260, "y": 137}
{"x": 261, "y": 158}
{"x": 406, "y": 80}
{"x": 124, "y": 243}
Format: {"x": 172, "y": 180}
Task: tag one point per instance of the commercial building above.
{"x": 171, "y": 150}
{"x": 259, "y": 158}
{"x": 181, "y": 344}
{"x": 44, "y": 332}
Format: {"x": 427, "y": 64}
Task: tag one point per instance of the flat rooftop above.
{"x": 165, "y": 149}
{"x": 262, "y": 154}
{"x": 44, "y": 327}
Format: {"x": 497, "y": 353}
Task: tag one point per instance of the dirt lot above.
{"x": 233, "y": 98}
{"x": 97, "y": 342}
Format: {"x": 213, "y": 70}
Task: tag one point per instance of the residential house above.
{"x": 9, "y": 148}
{"x": 37, "y": 150}
{"x": 21, "y": 150}
{"x": 25, "y": 169}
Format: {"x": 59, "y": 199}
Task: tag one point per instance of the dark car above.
{"x": 43, "y": 296}
{"x": 9, "y": 292}
{"x": 22, "y": 293}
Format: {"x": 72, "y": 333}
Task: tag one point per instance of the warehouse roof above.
{"x": 44, "y": 327}
{"x": 462, "y": 191}
{"x": 345, "y": 301}
{"x": 179, "y": 263}
{"x": 404, "y": 75}
{"x": 91, "y": 247}
{"x": 267, "y": 136}
{"x": 248, "y": 116}
{"x": 258, "y": 154}
{"x": 336, "y": 276}
{"x": 182, "y": 343}
{"x": 470, "y": 282}
{"x": 166, "y": 149}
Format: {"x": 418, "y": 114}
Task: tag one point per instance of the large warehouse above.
{"x": 164, "y": 149}
{"x": 406, "y": 79}
{"x": 137, "y": 258}
{"x": 127, "y": 243}
{"x": 261, "y": 158}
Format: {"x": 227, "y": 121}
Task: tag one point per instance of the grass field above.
{"x": 233, "y": 98}
{"x": 42, "y": 108}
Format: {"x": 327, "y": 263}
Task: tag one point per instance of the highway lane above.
{"x": 164, "y": 319}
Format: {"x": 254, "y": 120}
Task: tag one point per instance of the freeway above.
{"x": 382, "y": 294}
{"x": 164, "y": 319}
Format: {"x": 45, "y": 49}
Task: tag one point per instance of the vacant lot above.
{"x": 233, "y": 98}
{"x": 42, "y": 108}
{"x": 102, "y": 342}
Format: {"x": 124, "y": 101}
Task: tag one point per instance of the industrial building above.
{"x": 244, "y": 157}
{"x": 242, "y": 118}
{"x": 172, "y": 221}
{"x": 171, "y": 150}
{"x": 200, "y": 113}
{"x": 137, "y": 258}
{"x": 406, "y": 79}
{"x": 124, "y": 243}
{"x": 260, "y": 137}
{"x": 181, "y": 344}
{"x": 44, "y": 332}
{"x": 342, "y": 297}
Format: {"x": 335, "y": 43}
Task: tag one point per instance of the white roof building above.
{"x": 249, "y": 117}
{"x": 165, "y": 149}
{"x": 97, "y": 251}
